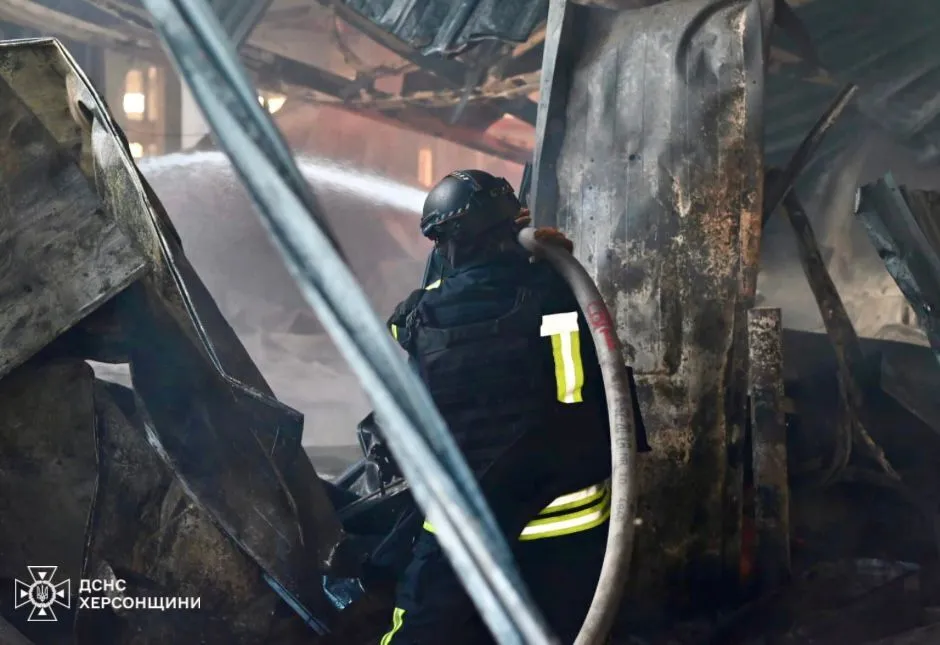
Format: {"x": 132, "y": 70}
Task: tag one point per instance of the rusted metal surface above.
{"x": 841, "y": 332}
{"x": 769, "y": 447}
{"x": 656, "y": 211}
{"x": 903, "y": 226}
{"x": 48, "y": 210}
{"x": 47, "y": 477}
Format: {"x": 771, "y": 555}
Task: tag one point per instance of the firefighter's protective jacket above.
{"x": 508, "y": 358}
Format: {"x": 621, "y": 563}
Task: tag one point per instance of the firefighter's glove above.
{"x": 551, "y": 235}
{"x": 546, "y": 234}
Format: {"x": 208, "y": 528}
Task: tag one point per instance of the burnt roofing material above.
{"x": 447, "y": 27}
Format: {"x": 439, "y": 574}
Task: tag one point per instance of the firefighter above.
{"x": 508, "y": 359}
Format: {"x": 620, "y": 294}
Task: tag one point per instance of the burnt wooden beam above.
{"x": 769, "y": 447}
{"x": 839, "y": 328}
{"x": 450, "y": 71}
{"x": 904, "y": 228}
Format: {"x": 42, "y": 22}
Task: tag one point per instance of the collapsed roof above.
{"x": 493, "y": 58}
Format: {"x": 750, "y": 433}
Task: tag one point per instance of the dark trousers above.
{"x": 432, "y": 607}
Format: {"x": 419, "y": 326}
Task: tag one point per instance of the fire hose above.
{"x": 612, "y": 581}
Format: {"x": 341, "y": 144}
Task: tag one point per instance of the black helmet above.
{"x": 467, "y": 203}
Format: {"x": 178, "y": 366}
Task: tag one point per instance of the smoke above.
{"x": 376, "y": 223}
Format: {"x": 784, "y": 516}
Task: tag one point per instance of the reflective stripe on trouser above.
{"x": 566, "y": 350}
{"x": 572, "y": 513}
{"x": 398, "y": 619}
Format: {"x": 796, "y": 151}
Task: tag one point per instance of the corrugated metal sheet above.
{"x": 890, "y": 50}
{"x": 445, "y": 26}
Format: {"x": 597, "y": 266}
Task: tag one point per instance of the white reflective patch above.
{"x": 559, "y": 323}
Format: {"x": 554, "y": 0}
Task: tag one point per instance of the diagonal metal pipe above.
{"x": 441, "y": 481}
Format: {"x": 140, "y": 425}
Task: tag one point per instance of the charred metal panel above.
{"x": 61, "y": 256}
{"x": 904, "y": 227}
{"x": 47, "y": 476}
{"x": 224, "y": 415}
{"x": 446, "y": 27}
{"x": 172, "y": 548}
{"x": 44, "y": 75}
{"x": 207, "y": 437}
{"x": 769, "y": 442}
{"x": 651, "y": 161}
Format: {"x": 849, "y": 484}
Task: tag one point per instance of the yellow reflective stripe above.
{"x": 585, "y": 520}
{"x": 545, "y": 521}
{"x": 398, "y": 619}
{"x": 433, "y": 285}
{"x": 575, "y": 499}
{"x": 566, "y": 351}
{"x": 394, "y": 329}
{"x": 593, "y": 503}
